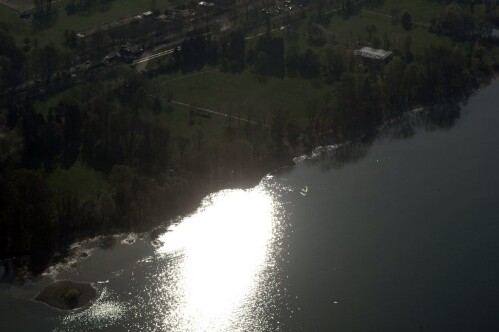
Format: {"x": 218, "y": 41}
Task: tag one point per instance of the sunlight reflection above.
{"x": 223, "y": 249}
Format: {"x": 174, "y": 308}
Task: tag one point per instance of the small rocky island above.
{"x": 67, "y": 295}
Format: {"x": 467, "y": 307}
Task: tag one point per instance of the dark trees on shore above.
{"x": 267, "y": 57}
{"x": 406, "y": 20}
{"x": 26, "y": 213}
{"x": 11, "y": 62}
{"x": 233, "y": 52}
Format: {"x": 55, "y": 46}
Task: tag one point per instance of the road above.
{"x": 146, "y": 57}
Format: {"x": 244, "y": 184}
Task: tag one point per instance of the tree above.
{"x": 182, "y": 143}
{"x": 234, "y": 51}
{"x": 370, "y": 28}
{"x": 336, "y": 58}
{"x": 39, "y": 7}
{"x": 199, "y": 138}
{"x": 71, "y": 132}
{"x": 11, "y": 62}
{"x": 293, "y": 61}
{"x": 121, "y": 180}
{"x": 157, "y": 106}
{"x": 406, "y": 20}
{"x": 347, "y": 8}
{"x": 10, "y": 148}
{"x": 456, "y": 23}
{"x": 26, "y": 220}
{"x": 278, "y": 128}
{"x": 309, "y": 64}
{"x": 46, "y": 61}
{"x": 394, "y": 87}
{"x": 106, "y": 208}
{"x": 268, "y": 56}
{"x": 262, "y": 63}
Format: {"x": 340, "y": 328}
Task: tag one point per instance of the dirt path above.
{"x": 212, "y": 112}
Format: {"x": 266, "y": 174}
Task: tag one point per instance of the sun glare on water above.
{"x": 221, "y": 252}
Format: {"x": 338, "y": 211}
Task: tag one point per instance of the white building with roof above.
{"x": 374, "y": 56}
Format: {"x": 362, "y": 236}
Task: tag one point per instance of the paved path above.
{"x": 209, "y": 111}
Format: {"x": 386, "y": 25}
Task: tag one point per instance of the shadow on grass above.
{"x": 88, "y": 8}
{"x": 42, "y": 22}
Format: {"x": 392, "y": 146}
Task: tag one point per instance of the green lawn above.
{"x": 78, "y": 179}
{"x": 177, "y": 121}
{"x": 353, "y": 30}
{"x": 243, "y": 93}
{"x": 43, "y": 105}
{"x": 13, "y": 24}
{"x": 421, "y": 10}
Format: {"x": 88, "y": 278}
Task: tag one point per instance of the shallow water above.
{"x": 391, "y": 235}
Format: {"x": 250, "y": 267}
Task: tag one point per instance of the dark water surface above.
{"x": 391, "y": 235}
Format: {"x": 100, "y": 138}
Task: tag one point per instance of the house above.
{"x": 129, "y": 52}
{"x": 206, "y": 4}
{"x": 374, "y": 56}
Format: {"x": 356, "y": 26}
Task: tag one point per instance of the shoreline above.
{"x": 198, "y": 194}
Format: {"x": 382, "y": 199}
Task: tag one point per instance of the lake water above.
{"x": 399, "y": 234}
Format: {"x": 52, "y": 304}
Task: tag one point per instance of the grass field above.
{"x": 177, "y": 121}
{"x": 13, "y": 24}
{"x": 78, "y": 179}
{"x": 421, "y": 10}
{"x": 353, "y": 29}
{"x": 239, "y": 94}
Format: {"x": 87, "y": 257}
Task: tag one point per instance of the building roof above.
{"x": 372, "y": 53}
